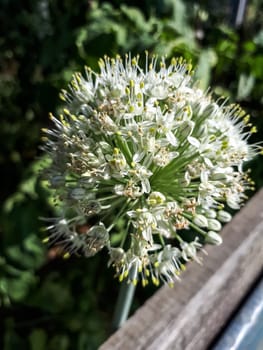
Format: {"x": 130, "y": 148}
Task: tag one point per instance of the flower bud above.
{"x": 213, "y": 238}
{"x": 98, "y": 232}
{"x": 116, "y": 255}
{"x": 77, "y": 193}
{"x": 156, "y": 198}
{"x": 219, "y": 177}
{"x": 116, "y": 91}
{"x": 85, "y": 110}
{"x": 186, "y": 129}
{"x": 92, "y": 207}
{"x": 214, "y": 225}
{"x": 210, "y": 214}
{"x": 57, "y": 181}
{"x": 200, "y": 220}
{"x": 105, "y": 146}
{"x": 232, "y": 202}
{"x": 119, "y": 189}
{"x": 95, "y": 239}
{"x": 210, "y": 109}
{"x": 224, "y": 216}
{"x": 62, "y": 225}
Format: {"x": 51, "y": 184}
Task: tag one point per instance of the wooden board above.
{"x": 190, "y": 315}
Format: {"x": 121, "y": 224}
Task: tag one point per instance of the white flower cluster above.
{"x": 147, "y": 147}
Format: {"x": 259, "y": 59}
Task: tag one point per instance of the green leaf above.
{"x": 179, "y": 16}
{"x": 11, "y": 339}
{"x": 54, "y": 295}
{"x": 245, "y": 86}
{"x": 259, "y": 39}
{"x": 207, "y": 60}
{"x": 38, "y": 339}
{"x": 18, "y": 288}
{"x": 135, "y": 16}
{"x": 59, "y": 342}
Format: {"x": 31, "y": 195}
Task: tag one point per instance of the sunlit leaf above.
{"x": 245, "y": 85}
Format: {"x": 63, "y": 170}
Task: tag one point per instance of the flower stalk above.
{"x": 124, "y": 302}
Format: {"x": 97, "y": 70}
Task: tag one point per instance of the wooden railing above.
{"x": 190, "y": 315}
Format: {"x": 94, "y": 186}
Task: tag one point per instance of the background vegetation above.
{"x": 47, "y": 302}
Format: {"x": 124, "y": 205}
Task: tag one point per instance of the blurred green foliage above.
{"x": 51, "y": 303}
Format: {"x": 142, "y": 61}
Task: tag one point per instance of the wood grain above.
{"x": 190, "y": 315}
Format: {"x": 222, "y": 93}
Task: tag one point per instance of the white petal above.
{"x": 146, "y": 187}
{"x": 138, "y": 157}
{"x": 208, "y": 162}
{"x": 171, "y": 138}
{"x": 193, "y": 141}
{"x": 204, "y": 176}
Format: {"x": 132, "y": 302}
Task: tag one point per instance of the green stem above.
{"x": 124, "y": 301}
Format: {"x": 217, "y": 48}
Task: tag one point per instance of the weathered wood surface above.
{"x": 190, "y": 315}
